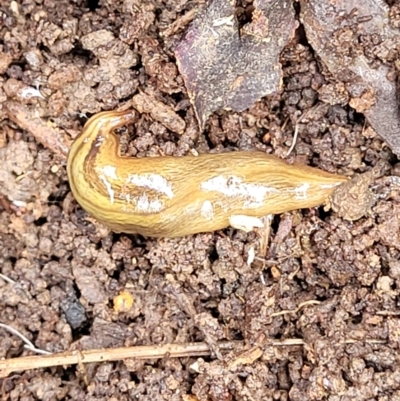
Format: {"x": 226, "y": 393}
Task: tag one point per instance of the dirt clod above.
{"x": 353, "y": 200}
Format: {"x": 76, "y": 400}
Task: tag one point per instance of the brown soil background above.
{"x": 68, "y": 269}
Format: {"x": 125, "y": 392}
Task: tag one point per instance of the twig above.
{"x": 29, "y": 120}
{"x": 265, "y": 235}
{"x": 142, "y": 352}
{"x": 388, "y": 313}
{"x": 284, "y": 124}
{"x": 180, "y": 23}
{"x": 110, "y": 354}
{"x": 28, "y": 345}
{"x": 7, "y": 279}
{"x": 296, "y": 133}
{"x": 284, "y": 312}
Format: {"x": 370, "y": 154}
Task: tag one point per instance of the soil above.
{"x": 70, "y": 284}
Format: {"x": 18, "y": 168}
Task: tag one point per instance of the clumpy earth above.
{"x": 326, "y": 285}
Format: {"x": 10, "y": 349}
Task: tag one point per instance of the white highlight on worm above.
{"x": 253, "y": 194}
{"x": 301, "y": 191}
{"x": 110, "y": 172}
{"x": 146, "y": 205}
{"x": 207, "y": 210}
{"x": 155, "y": 182}
{"x": 110, "y": 191}
{"x": 329, "y": 186}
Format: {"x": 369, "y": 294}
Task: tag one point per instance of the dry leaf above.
{"x": 227, "y": 68}
{"x": 350, "y": 36}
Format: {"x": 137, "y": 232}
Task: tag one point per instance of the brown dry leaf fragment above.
{"x": 162, "y": 113}
{"x": 348, "y": 35}
{"x": 224, "y": 68}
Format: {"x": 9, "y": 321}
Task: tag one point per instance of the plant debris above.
{"x": 29, "y": 120}
{"x": 159, "y": 111}
{"x": 225, "y": 67}
{"x": 355, "y": 40}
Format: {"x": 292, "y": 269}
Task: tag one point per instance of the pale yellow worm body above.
{"x": 176, "y": 196}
